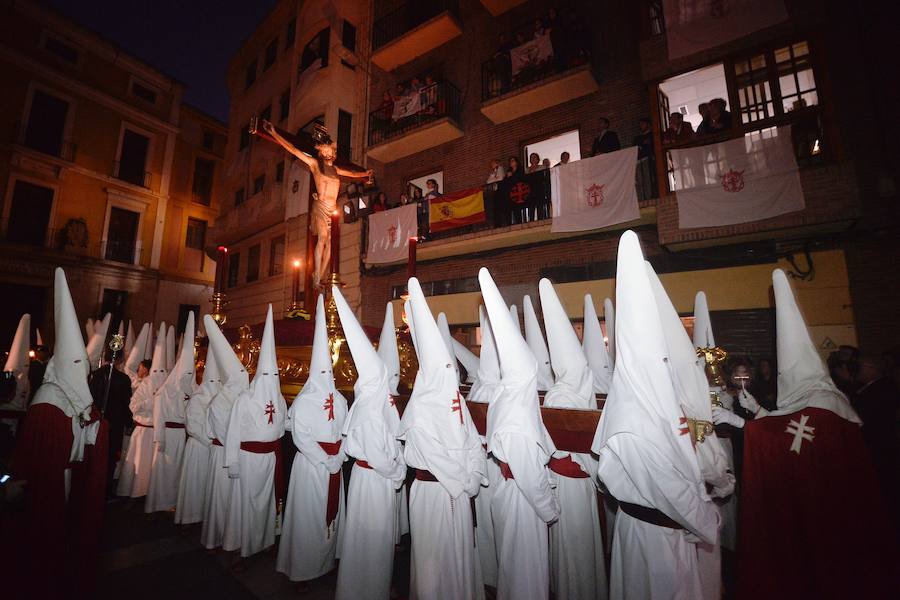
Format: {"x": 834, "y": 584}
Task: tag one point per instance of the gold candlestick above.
{"x": 714, "y": 357}
{"x": 218, "y": 311}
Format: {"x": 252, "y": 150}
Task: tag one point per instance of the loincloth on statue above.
{"x": 320, "y": 221}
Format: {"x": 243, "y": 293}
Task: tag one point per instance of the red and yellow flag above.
{"x": 457, "y": 209}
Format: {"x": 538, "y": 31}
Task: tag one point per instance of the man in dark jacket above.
{"x": 113, "y": 406}
{"x": 606, "y": 141}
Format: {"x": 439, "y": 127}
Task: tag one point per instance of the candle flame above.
{"x": 296, "y": 264}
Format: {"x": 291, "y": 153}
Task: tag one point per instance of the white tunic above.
{"x": 134, "y": 477}
{"x": 168, "y": 451}
{"x": 219, "y": 486}
{"x": 192, "y": 482}
{"x": 484, "y": 525}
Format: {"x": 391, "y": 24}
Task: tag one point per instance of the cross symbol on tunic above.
{"x": 456, "y": 406}
{"x": 329, "y": 406}
{"x": 270, "y": 410}
{"x": 392, "y": 400}
{"x": 801, "y": 431}
{"x": 519, "y": 193}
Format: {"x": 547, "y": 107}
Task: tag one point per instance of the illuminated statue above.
{"x": 326, "y": 175}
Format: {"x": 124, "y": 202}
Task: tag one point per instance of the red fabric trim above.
{"x": 174, "y": 425}
{"x": 423, "y": 475}
{"x": 363, "y": 464}
{"x": 505, "y": 470}
{"x": 136, "y": 424}
{"x": 216, "y": 442}
{"x": 567, "y": 468}
{"x": 266, "y": 448}
{"x": 334, "y": 484}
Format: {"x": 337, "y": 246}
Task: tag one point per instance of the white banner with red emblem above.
{"x": 695, "y": 25}
{"x": 747, "y": 179}
{"x": 593, "y": 193}
{"x": 389, "y": 233}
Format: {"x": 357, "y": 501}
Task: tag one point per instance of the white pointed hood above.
{"x": 516, "y": 409}
{"x": 372, "y": 403}
{"x": 514, "y": 313}
{"x": 88, "y": 331}
{"x": 170, "y": 348}
{"x": 129, "y": 340}
{"x": 487, "y": 382}
{"x": 39, "y": 340}
{"x": 134, "y": 358}
{"x": 121, "y": 330}
{"x": 233, "y": 377}
{"x": 609, "y": 317}
{"x": 447, "y": 337}
{"x": 468, "y": 359}
{"x": 538, "y": 345}
{"x": 642, "y": 402}
{"x": 181, "y": 379}
{"x": 387, "y": 348}
{"x": 319, "y": 409}
{"x": 158, "y": 371}
{"x": 435, "y": 406}
{"x": 148, "y": 349}
{"x": 98, "y": 341}
{"x": 595, "y": 348}
{"x": 574, "y": 384}
{"x": 691, "y": 388}
{"x": 17, "y": 364}
{"x": 703, "y": 332}
{"x": 803, "y": 379}
{"x": 195, "y": 411}
{"x": 266, "y": 385}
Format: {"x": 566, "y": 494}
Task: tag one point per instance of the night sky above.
{"x": 191, "y": 40}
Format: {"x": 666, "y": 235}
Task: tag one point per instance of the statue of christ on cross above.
{"x": 326, "y": 175}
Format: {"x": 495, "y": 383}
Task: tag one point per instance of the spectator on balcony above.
{"x": 380, "y": 203}
{"x": 500, "y": 67}
{"x": 404, "y": 199}
{"x": 433, "y": 191}
{"x": 430, "y": 99}
{"x": 678, "y": 130}
{"x": 496, "y": 174}
{"x": 534, "y": 163}
{"x": 540, "y": 29}
{"x": 646, "y": 167}
{"x": 512, "y": 168}
{"x": 703, "y": 127}
{"x": 563, "y": 159}
{"x": 545, "y": 164}
{"x": 719, "y": 118}
{"x": 606, "y": 141}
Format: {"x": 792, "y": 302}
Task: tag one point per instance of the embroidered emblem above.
{"x": 329, "y": 406}
{"x": 594, "y": 195}
{"x": 456, "y": 406}
{"x": 801, "y": 431}
{"x": 270, "y": 410}
{"x": 519, "y": 193}
{"x": 392, "y": 234}
{"x": 733, "y": 181}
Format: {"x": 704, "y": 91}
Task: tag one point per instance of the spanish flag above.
{"x": 457, "y": 209}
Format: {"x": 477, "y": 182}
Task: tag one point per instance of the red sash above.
{"x": 567, "y": 468}
{"x": 423, "y": 475}
{"x": 136, "y": 424}
{"x": 174, "y": 425}
{"x": 334, "y": 484}
{"x": 216, "y": 442}
{"x": 266, "y": 448}
{"x": 363, "y": 464}
{"x": 505, "y": 470}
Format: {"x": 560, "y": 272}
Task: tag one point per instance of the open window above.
{"x": 418, "y": 187}
{"x": 553, "y": 149}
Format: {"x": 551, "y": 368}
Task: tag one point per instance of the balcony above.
{"x": 413, "y": 29}
{"x": 498, "y": 7}
{"x": 132, "y": 175}
{"x": 511, "y": 89}
{"x": 415, "y": 122}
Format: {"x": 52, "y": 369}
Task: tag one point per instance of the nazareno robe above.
{"x": 813, "y": 523}
{"x": 56, "y": 540}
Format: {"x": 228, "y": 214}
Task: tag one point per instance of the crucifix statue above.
{"x": 327, "y": 178}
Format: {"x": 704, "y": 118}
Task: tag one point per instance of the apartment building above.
{"x": 104, "y": 172}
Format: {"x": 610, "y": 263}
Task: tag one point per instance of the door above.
{"x": 29, "y": 214}
{"x": 121, "y": 237}
{"x": 133, "y": 158}
{"x": 46, "y": 123}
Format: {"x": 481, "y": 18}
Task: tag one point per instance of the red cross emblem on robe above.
{"x": 270, "y": 410}
{"x": 329, "y": 406}
{"x": 456, "y": 406}
{"x": 392, "y": 400}
{"x": 519, "y": 193}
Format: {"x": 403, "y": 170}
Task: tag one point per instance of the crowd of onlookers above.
{"x": 422, "y": 100}
{"x": 716, "y": 119}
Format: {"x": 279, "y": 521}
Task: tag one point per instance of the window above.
{"x": 203, "y": 181}
{"x": 121, "y": 235}
{"x": 29, "y": 214}
{"x": 276, "y": 256}
{"x": 244, "y": 140}
{"x": 290, "y": 35}
{"x": 795, "y": 77}
{"x": 348, "y": 37}
{"x": 209, "y": 140}
{"x": 133, "y": 158}
{"x": 143, "y": 92}
{"x": 234, "y": 264}
{"x": 239, "y": 197}
{"x": 284, "y": 105}
{"x": 684, "y": 94}
{"x": 316, "y": 50}
{"x": 754, "y": 92}
{"x": 196, "y": 234}
{"x": 46, "y": 123}
{"x": 344, "y": 130}
{"x": 61, "y": 49}
{"x": 113, "y": 302}
{"x": 250, "y": 75}
{"x": 259, "y": 183}
{"x": 279, "y": 172}
{"x": 253, "y": 263}
{"x": 553, "y": 148}
{"x": 194, "y": 244}
{"x": 271, "y": 54}
{"x": 266, "y": 113}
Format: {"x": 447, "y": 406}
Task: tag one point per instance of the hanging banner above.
{"x": 456, "y": 210}
{"x": 389, "y": 233}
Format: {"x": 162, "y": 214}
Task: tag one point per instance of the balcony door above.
{"x": 133, "y": 158}
{"x": 121, "y": 235}
{"x": 29, "y": 214}
{"x": 46, "y": 123}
